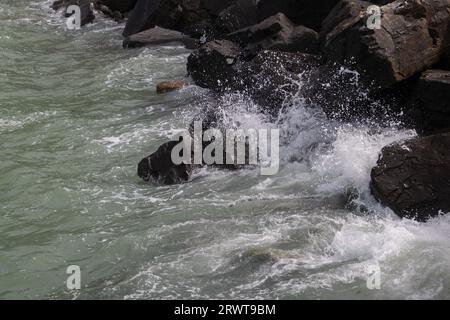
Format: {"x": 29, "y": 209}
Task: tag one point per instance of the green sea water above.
{"x": 78, "y": 112}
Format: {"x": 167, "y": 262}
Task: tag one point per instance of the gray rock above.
{"x": 158, "y": 36}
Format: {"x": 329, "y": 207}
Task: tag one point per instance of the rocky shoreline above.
{"x": 351, "y": 69}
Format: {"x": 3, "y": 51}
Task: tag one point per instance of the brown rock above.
{"x": 411, "y": 39}
{"x": 168, "y": 86}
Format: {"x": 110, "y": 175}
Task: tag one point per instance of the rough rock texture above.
{"x": 269, "y": 77}
{"x": 87, "y": 15}
{"x": 168, "y": 86}
{"x": 413, "y": 177}
{"x": 240, "y": 14}
{"x": 431, "y": 101}
{"x": 157, "y": 36}
{"x": 277, "y": 33}
{"x": 159, "y": 166}
{"x": 302, "y": 12}
{"x": 211, "y": 66}
{"x": 410, "y": 40}
{"x": 345, "y": 13}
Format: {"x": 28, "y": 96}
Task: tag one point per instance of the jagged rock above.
{"x": 168, "y": 86}
{"x": 87, "y": 15}
{"x": 413, "y": 177}
{"x": 410, "y": 40}
{"x": 430, "y": 102}
{"x": 157, "y": 36}
{"x": 277, "y": 33}
{"x": 211, "y": 66}
{"x": 345, "y": 13}
{"x": 159, "y": 166}
{"x": 269, "y": 77}
{"x": 302, "y": 12}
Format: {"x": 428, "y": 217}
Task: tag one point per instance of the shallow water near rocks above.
{"x": 78, "y": 113}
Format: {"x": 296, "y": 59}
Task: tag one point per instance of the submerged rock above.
{"x": 159, "y": 166}
{"x": 158, "y": 36}
{"x": 410, "y": 40}
{"x": 430, "y": 102}
{"x": 413, "y": 177}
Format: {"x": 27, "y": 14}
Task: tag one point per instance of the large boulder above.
{"x": 411, "y": 39}
{"x": 141, "y": 17}
{"x": 277, "y": 33}
{"x": 269, "y": 77}
{"x": 430, "y": 101}
{"x": 158, "y": 36}
{"x": 302, "y": 12}
{"x": 345, "y": 13}
{"x": 159, "y": 166}
{"x": 239, "y": 15}
{"x": 211, "y": 66}
{"x": 413, "y": 177}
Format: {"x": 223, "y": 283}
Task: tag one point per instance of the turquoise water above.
{"x": 78, "y": 113}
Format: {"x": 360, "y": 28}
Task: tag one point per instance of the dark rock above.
{"x": 302, "y": 12}
{"x": 159, "y": 166}
{"x": 410, "y": 40}
{"x": 214, "y": 7}
{"x": 430, "y": 101}
{"x": 277, "y": 33}
{"x": 87, "y": 15}
{"x": 241, "y": 14}
{"x": 211, "y": 66}
{"x": 345, "y": 13}
{"x": 187, "y": 16}
{"x": 269, "y": 77}
{"x": 122, "y": 6}
{"x": 157, "y": 36}
{"x": 141, "y": 17}
{"x": 413, "y": 177}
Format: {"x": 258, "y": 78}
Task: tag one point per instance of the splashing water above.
{"x": 78, "y": 113}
